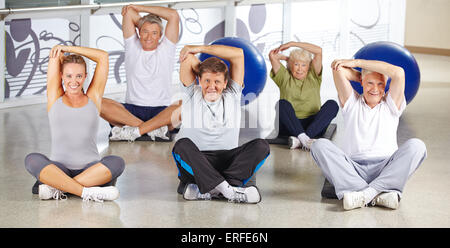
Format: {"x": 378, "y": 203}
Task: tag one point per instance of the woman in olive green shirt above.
{"x": 302, "y": 117}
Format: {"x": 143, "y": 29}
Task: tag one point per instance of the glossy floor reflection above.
{"x": 289, "y": 181}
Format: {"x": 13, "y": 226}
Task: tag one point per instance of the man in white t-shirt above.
{"x": 369, "y": 167}
{"x": 149, "y": 64}
{"x": 207, "y": 155}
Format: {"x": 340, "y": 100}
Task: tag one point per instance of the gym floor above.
{"x": 289, "y": 181}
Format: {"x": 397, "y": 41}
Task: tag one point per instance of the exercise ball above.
{"x": 395, "y": 54}
{"x": 255, "y": 67}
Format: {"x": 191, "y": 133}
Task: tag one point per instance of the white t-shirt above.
{"x": 211, "y": 125}
{"x": 149, "y": 73}
{"x": 370, "y": 133}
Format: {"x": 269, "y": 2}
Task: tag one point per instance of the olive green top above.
{"x": 304, "y": 95}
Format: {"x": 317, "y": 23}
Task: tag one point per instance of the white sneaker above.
{"x": 115, "y": 132}
{"x": 246, "y": 195}
{"x": 192, "y": 192}
{"x": 100, "y": 194}
{"x": 47, "y": 192}
{"x": 294, "y": 142}
{"x": 161, "y": 132}
{"x": 388, "y": 200}
{"x": 124, "y": 133}
{"x": 354, "y": 200}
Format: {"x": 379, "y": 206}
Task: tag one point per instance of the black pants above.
{"x": 314, "y": 126}
{"x": 208, "y": 169}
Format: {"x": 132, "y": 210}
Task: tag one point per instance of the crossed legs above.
{"x": 116, "y": 114}
{"x": 58, "y": 176}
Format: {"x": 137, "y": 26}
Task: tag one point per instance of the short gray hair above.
{"x": 301, "y": 54}
{"x": 365, "y": 72}
{"x": 151, "y": 18}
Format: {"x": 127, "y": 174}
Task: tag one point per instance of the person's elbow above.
{"x": 104, "y": 56}
{"x": 189, "y": 59}
{"x": 127, "y": 12}
{"x": 337, "y": 73}
{"x": 398, "y": 72}
{"x": 173, "y": 16}
{"x": 318, "y": 51}
{"x": 238, "y": 55}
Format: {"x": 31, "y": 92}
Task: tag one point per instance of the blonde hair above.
{"x": 151, "y": 18}
{"x": 301, "y": 54}
{"x": 72, "y": 59}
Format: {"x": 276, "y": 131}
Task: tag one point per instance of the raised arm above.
{"x": 54, "y": 85}
{"x": 275, "y": 58}
{"x": 170, "y": 15}
{"x": 343, "y": 72}
{"x": 315, "y": 50}
{"x": 100, "y": 57}
{"x": 189, "y": 69}
{"x": 396, "y": 73}
{"x": 233, "y": 55}
{"x": 130, "y": 19}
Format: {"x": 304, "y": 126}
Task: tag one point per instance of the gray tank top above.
{"x": 74, "y": 134}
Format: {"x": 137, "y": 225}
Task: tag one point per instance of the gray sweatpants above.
{"x": 385, "y": 175}
{"x": 35, "y": 162}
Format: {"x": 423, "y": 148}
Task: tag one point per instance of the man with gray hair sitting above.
{"x": 369, "y": 167}
{"x": 149, "y": 65}
{"x": 300, "y": 112}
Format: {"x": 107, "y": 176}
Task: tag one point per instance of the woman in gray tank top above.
{"x": 75, "y": 165}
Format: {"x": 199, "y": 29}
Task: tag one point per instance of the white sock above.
{"x": 226, "y": 189}
{"x": 214, "y": 191}
{"x": 303, "y": 138}
{"x": 369, "y": 194}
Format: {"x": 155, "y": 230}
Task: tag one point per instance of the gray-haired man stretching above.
{"x": 370, "y": 167}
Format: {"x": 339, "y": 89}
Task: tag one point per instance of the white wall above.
{"x": 428, "y": 23}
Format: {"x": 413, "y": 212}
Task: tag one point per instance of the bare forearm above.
{"x": 232, "y": 54}
{"x": 94, "y": 54}
{"x": 225, "y": 52}
{"x": 396, "y": 73}
{"x": 130, "y": 19}
{"x": 170, "y": 15}
{"x": 134, "y": 17}
{"x": 189, "y": 69}
{"x": 53, "y": 73}
{"x": 309, "y": 47}
{"x": 387, "y": 69}
{"x": 343, "y": 86}
{"x": 54, "y": 65}
{"x": 277, "y": 58}
{"x": 54, "y": 86}
{"x": 167, "y": 14}
{"x": 315, "y": 50}
{"x": 352, "y": 75}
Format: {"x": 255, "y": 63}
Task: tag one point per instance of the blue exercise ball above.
{"x": 255, "y": 67}
{"x": 395, "y": 54}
